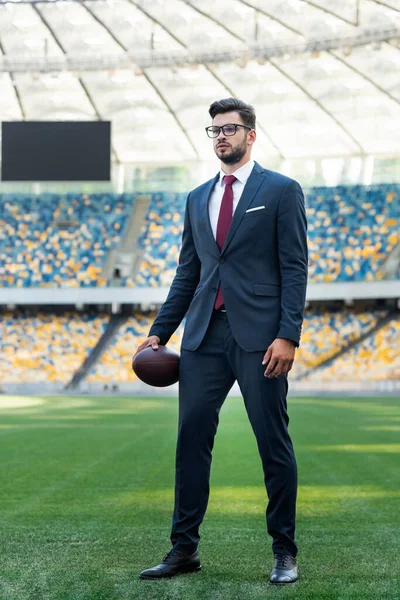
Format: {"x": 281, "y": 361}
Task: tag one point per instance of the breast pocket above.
{"x": 259, "y": 214}
{"x": 255, "y": 209}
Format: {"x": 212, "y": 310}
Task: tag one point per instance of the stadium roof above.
{"x": 323, "y": 75}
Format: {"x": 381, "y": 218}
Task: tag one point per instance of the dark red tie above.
{"x": 224, "y": 222}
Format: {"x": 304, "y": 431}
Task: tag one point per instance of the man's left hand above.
{"x": 280, "y": 356}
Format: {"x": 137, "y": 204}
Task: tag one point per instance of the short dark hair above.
{"x": 246, "y": 111}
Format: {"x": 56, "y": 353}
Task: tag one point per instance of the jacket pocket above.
{"x": 266, "y": 289}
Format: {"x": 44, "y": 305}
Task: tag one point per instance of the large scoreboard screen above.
{"x": 56, "y": 151}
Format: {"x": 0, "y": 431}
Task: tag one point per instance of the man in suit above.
{"x": 241, "y": 282}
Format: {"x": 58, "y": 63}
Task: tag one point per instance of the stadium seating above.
{"x": 324, "y": 333}
{"x": 115, "y": 364}
{"x": 46, "y": 347}
{"x": 377, "y": 358}
{"x": 351, "y": 232}
{"x": 41, "y": 346}
{"x": 36, "y": 249}
{"x": 160, "y": 240}
{"x": 329, "y": 330}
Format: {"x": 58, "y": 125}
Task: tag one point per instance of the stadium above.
{"x": 87, "y": 262}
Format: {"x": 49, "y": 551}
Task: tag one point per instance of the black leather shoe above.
{"x": 285, "y": 569}
{"x": 173, "y": 563}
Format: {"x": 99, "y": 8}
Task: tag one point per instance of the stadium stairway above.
{"x": 381, "y": 323}
{"x": 391, "y": 266}
{"x": 115, "y": 322}
{"x": 127, "y": 256}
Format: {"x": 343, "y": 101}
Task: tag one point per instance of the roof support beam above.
{"x": 321, "y": 106}
{"x": 355, "y": 23}
{"x": 182, "y": 58}
{"x": 262, "y": 11}
{"x": 211, "y": 18}
{"x": 15, "y": 87}
{"x": 361, "y": 74}
{"x": 49, "y": 28}
{"x": 334, "y": 55}
{"x": 127, "y": 59}
{"x": 103, "y": 25}
{"x": 211, "y": 71}
{"x": 311, "y": 3}
{"x": 83, "y": 86}
{"x": 164, "y": 100}
{"x": 157, "y": 22}
{"x": 386, "y": 5}
{"x": 151, "y": 83}
{"x": 303, "y": 89}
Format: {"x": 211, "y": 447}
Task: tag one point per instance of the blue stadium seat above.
{"x": 351, "y": 230}
{"x": 36, "y": 251}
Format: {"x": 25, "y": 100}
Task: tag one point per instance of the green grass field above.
{"x": 87, "y": 494}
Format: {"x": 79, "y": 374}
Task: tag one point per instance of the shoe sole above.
{"x": 196, "y": 570}
{"x": 283, "y": 582}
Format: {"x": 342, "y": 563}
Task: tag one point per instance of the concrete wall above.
{"x": 139, "y": 389}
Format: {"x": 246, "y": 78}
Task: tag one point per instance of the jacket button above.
{"x": 221, "y": 260}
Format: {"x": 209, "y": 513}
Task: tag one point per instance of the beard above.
{"x": 234, "y": 156}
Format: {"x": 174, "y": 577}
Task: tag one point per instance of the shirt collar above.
{"x": 241, "y": 174}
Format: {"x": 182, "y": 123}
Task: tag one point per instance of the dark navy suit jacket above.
{"x": 262, "y": 266}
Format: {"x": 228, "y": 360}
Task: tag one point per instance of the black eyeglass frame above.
{"x": 236, "y": 125}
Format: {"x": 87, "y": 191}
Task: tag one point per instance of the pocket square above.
{"x": 255, "y": 208}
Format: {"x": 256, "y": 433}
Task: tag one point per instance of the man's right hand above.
{"x": 152, "y": 341}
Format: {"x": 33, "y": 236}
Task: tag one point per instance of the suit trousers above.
{"x": 206, "y": 376}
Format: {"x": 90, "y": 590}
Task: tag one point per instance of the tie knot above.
{"x": 229, "y": 179}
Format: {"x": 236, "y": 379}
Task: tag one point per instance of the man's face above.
{"x": 230, "y": 149}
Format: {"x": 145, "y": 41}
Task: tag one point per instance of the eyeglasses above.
{"x": 229, "y": 129}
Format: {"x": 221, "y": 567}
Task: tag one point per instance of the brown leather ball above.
{"x": 158, "y": 368}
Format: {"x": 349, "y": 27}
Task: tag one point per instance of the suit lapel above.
{"x": 205, "y": 215}
{"x": 250, "y": 190}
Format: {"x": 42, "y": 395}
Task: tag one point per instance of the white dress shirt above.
{"x": 214, "y": 204}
